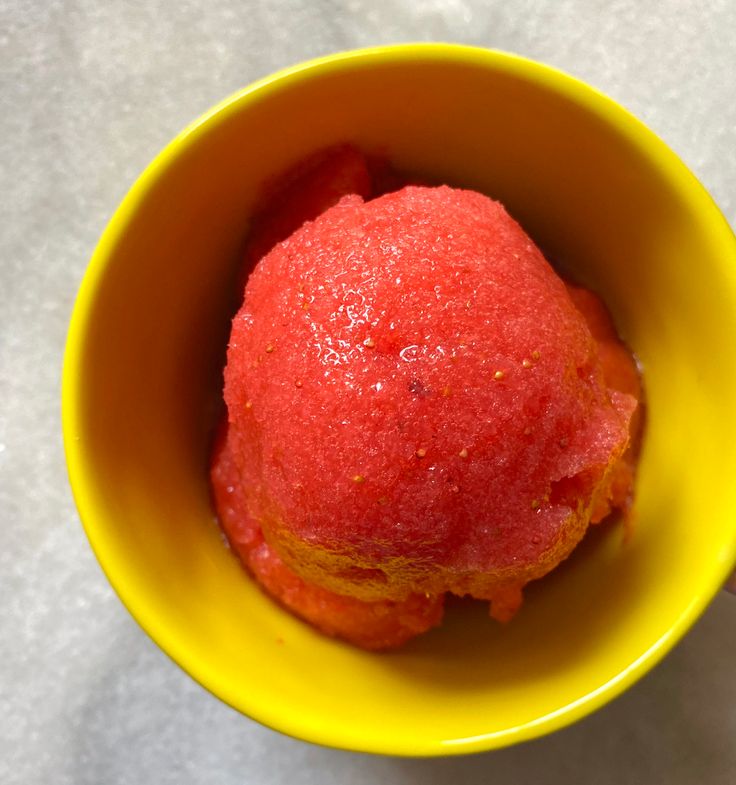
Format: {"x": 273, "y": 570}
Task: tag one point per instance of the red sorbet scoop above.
{"x": 416, "y": 406}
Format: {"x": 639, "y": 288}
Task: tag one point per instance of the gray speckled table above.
{"x": 89, "y": 92}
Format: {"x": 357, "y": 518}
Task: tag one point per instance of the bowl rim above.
{"x": 592, "y": 101}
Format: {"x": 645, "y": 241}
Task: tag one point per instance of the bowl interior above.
{"x": 605, "y": 200}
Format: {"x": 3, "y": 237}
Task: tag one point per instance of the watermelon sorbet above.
{"x": 417, "y": 404}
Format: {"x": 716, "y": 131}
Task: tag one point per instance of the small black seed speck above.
{"x": 417, "y": 388}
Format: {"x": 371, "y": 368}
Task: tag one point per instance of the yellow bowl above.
{"x": 606, "y": 199}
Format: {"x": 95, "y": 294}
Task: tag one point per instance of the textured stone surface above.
{"x": 89, "y": 92}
